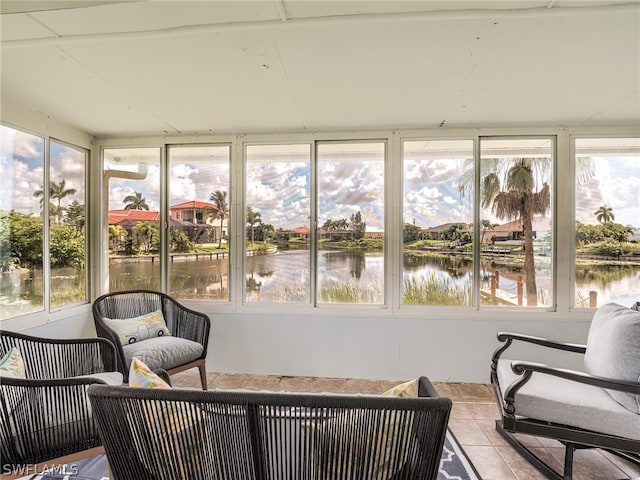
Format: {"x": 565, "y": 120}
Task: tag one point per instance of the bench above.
{"x": 184, "y": 433}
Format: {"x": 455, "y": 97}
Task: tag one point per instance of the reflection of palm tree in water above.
{"x": 253, "y": 285}
{"x": 356, "y": 259}
{"x": 358, "y": 264}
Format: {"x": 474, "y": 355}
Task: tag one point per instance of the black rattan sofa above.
{"x": 185, "y": 433}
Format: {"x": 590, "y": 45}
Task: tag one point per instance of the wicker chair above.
{"x": 47, "y": 415}
{"x": 189, "y": 331}
{"x": 257, "y": 435}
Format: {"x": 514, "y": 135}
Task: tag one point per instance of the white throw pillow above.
{"x": 613, "y": 349}
{"x": 137, "y": 329}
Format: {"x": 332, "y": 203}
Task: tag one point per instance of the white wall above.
{"x": 444, "y": 349}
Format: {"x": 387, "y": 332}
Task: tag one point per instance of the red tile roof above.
{"x": 303, "y": 230}
{"x": 193, "y": 204}
{"x": 117, "y": 216}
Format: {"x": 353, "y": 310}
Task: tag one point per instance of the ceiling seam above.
{"x": 286, "y": 76}
{"x": 419, "y": 16}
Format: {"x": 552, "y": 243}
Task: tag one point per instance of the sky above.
{"x": 278, "y": 183}
{"x": 21, "y": 167}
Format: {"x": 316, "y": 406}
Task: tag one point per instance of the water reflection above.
{"x": 285, "y": 277}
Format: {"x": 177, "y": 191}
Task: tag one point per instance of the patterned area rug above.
{"x": 453, "y": 466}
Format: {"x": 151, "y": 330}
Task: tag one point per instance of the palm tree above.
{"x": 57, "y": 191}
{"x": 604, "y": 214}
{"x": 116, "y": 232}
{"x": 135, "y": 202}
{"x": 146, "y": 230}
{"x": 510, "y": 188}
{"x": 219, "y": 198}
{"x": 253, "y": 218}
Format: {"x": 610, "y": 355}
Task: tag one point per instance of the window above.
{"x": 41, "y": 193}
{"x": 277, "y": 221}
{"x": 437, "y": 227}
{"x": 199, "y": 207}
{"x": 350, "y": 219}
{"x": 67, "y": 224}
{"x": 516, "y": 205}
{"x": 132, "y": 199}
{"x": 607, "y": 213}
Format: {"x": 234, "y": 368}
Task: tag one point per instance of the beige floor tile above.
{"x": 629, "y": 469}
{"x": 468, "y": 432}
{"x": 489, "y": 464}
{"x": 296, "y": 384}
{"x": 590, "y": 464}
{"x": 355, "y": 385}
{"x": 522, "y": 469}
{"x": 488, "y": 411}
{"x": 461, "y": 410}
{"x": 263, "y": 382}
{"x": 489, "y": 429}
{"x": 327, "y": 384}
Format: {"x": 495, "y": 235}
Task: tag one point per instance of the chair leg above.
{"x": 569, "y": 448}
{"x": 528, "y": 455}
{"x": 202, "y": 368}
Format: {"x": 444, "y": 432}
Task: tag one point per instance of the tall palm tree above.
{"x": 253, "y": 218}
{"x": 219, "y": 198}
{"x": 57, "y": 191}
{"x": 135, "y": 202}
{"x": 516, "y": 188}
{"x": 604, "y": 214}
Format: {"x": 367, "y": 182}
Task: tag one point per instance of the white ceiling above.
{"x": 149, "y": 67}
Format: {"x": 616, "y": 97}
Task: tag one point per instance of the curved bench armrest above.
{"x": 509, "y": 337}
{"x": 526, "y": 370}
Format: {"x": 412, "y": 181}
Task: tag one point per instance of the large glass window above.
{"x": 516, "y": 205}
{"x": 607, "y": 199}
{"x": 67, "y": 225}
{"x": 438, "y": 222}
{"x": 350, "y": 220}
{"x": 37, "y": 271}
{"x": 21, "y": 223}
{"x": 278, "y": 263}
{"x": 132, "y": 198}
{"x": 199, "y": 204}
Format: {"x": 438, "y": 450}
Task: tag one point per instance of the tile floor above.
{"x": 472, "y": 422}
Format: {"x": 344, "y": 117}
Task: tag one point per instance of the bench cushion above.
{"x": 554, "y": 399}
{"x": 613, "y": 349}
{"x": 163, "y": 352}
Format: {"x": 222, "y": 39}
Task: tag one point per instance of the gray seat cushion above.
{"x": 613, "y": 349}
{"x": 545, "y": 397}
{"x": 163, "y": 352}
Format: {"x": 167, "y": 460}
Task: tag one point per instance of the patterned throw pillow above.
{"x": 179, "y": 425}
{"x": 12, "y": 364}
{"x": 137, "y": 329}
{"x": 340, "y": 451}
{"x": 141, "y": 376}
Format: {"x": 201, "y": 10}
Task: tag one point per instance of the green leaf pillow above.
{"x": 12, "y": 364}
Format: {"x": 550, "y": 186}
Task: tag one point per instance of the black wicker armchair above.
{"x": 597, "y": 408}
{"x": 182, "y": 433}
{"x": 47, "y": 414}
{"x": 184, "y": 348}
